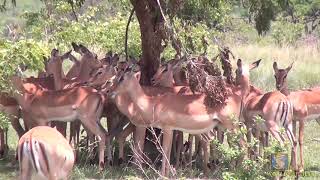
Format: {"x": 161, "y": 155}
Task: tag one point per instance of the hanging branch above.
{"x": 73, "y": 11}
{"x": 127, "y": 29}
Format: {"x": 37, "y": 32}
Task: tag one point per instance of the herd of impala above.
{"x": 95, "y": 88}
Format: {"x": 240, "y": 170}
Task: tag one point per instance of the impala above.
{"x": 86, "y": 66}
{"x": 164, "y": 77}
{"x": 67, "y": 105}
{"x": 306, "y": 104}
{"x": 43, "y": 151}
{"x": 102, "y": 77}
{"x": 175, "y": 112}
{"x": 78, "y": 66}
{"x": 276, "y": 110}
{"x": 9, "y": 106}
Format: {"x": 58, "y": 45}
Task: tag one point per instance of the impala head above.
{"x": 243, "y": 71}
{"x": 281, "y": 76}
{"x": 163, "y": 76}
{"x": 123, "y": 82}
{"x": 102, "y": 76}
{"x": 54, "y": 64}
{"x": 89, "y": 60}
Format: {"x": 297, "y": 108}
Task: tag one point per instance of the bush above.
{"x": 284, "y": 32}
{"x": 26, "y": 52}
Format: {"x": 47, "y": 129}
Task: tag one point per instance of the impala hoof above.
{"x": 300, "y": 169}
{"x": 101, "y": 166}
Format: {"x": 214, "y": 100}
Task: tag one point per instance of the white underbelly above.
{"x": 196, "y": 124}
{"x": 198, "y": 131}
{"x": 65, "y": 114}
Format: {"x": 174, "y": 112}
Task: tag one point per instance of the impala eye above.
{"x": 165, "y": 70}
{"x": 121, "y": 79}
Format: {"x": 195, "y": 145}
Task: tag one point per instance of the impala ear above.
{"x": 137, "y": 75}
{"x": 275, "y": 66}
{"x": 239, "y": 63}
{"x": 254, "y": 64}
{"x": 289, "y": 67}
{"x": 109, "y": 54}
{"x": 115, "y": 69}
{"x": 75, "y": 47}
{"x": 54, "y": 52}
{"x": 66, "y": 55}
{"x": 82, "y": 50}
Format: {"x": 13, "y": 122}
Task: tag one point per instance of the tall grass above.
{"x": 304, "y": 74}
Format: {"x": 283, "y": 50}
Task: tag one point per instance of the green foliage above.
{"x": 263, "y": 12}
{"x": 91, "y": 29}
{"x": 4, "y": 121}
{"x": 213, "y": 13}
{"x": 285, "y": 33}
{"x": 232, "y": 154}
{"x": 12, "y": 54}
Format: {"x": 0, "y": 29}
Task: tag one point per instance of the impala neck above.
{"x": 244, "y": 84}
{"x": 58, "y": 82}
{"x": 285, "y": 89}
{"x": 19, "y": 92}
{"x": 168, "y": 81}
{"x": 138, "y": 96}
{"x": 85, "y": 70}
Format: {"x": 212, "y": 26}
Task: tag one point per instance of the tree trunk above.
{"x": 151, "y": 27}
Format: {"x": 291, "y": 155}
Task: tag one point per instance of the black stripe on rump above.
{"x": 46, "y": 160}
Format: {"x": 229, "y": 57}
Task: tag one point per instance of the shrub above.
{"x": 284, "y": 32}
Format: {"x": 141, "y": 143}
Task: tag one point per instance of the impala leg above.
{"x": 75, "y": 134}
{"x": 301, "y": 136}
{"x": 274, "y": 129}
{"x": 174, "y": 144}
{"x": 109, "y": 147}
{"x": 204, "y": 146}
{"x": 94, "y": 126}
{"x": 257, "y": 147}
{"x": 121, "y": 138}
{"x": 249, "y": 138}
{"x": 220, "y": 135}
{"x": 17, "y": 126}
{"x": 294, "y": 147}
{"x": 166, "y": 146}
{"x": 196, "y": 145}
{"x": 72, "y": 132}
{"x": 266, "y": 142}
{"x": 25, "y": 169}
{"x": 190, "y": 141}
{"x": 2, "y": 143}
{"x": 179, "y": 148}
{"x": 139, "y": 136}
{"x": 61, "y": 127}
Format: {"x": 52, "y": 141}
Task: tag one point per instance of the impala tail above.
{"x": 34, "y": 153}
{"x": 45, "y": 153}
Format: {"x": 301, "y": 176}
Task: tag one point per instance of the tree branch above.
{"x": 127, "y": 29}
